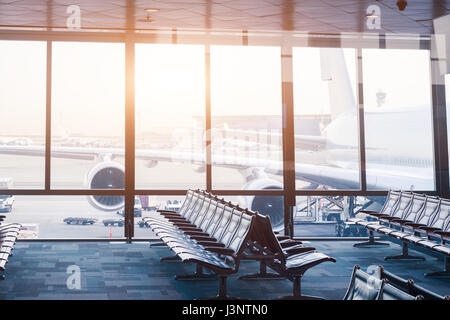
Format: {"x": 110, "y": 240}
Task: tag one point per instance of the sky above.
{"x": 88, "y": 91}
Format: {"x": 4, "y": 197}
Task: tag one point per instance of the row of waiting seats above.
{"x": 217, "y": 235}
{"x": 383, "y": 285}
{"x": 412, "y": 218}
{"x": 8, "y": 237}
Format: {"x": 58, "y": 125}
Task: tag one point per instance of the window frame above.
{"x": 285, "y": 40}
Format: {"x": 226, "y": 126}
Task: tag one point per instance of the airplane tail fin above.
{"x": 334, "y": 70}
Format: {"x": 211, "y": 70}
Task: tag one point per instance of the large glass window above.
{"x": 44, "y": 217}
{"x": 320, "y": 216}
{"x": 326, "y": 119}
{"x": 398, "y": 121}
{"x": 170, "y": 116}
{"x": 146, "y": 205}
{"x": 88, "y": 115}
{"x": 246, "y": 117}
{"x": 272, "y": 206}
{"x": 22, "y": 109}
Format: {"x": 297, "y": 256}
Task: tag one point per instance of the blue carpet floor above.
{"x": 38, "y": 270}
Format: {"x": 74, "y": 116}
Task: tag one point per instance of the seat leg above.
{"x": 170, "y": 258}
{"x": 198, "y": 275}
{"x": 263, "y": 274}
{"x": 297, "y": 291}
{"x": 371, "y": 242}
{"x": 405, "y": 255}
{"x": 441, "y": 274}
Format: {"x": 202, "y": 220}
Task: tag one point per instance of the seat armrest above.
{"x": 387, "y": 218}
{"x": 378, "y": 215}
{"x": 428, "y": 229}
{"x": 196, "y": 233}
{"x": 293, "y": 251}
{"x": 190, "y": 229}
{"x": 287, "y": 243}
{"x": 400, "y": 221}
{"x": 171, "y": 215}
{"x": 281, "y": 238}
{"x": 442, "y": 233}
{"x": 209, "y": 244}
{"x": 183, "y": 224}
{"x": 367, "y": 211}
{"x": 414, "y": 225}
{"x": 224, "y": 251}
{"x": 176, "y": 219}
{"x": 203, "y": 238}
{"x": 166, "y": 211}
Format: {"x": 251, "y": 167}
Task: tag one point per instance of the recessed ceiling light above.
{"x": 151, "y": 10}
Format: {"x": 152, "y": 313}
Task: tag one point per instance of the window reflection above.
{"x": 170, "y": 116}
{"x": 326, "y": 121}
{"x": 88, "y": 123}
{"x": 397, "y": 102}
{"x": 246, "y": 117}
{"x": 22, "y": 106}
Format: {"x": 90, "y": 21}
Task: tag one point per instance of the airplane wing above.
{"x": 333, "y": 177}
{"x": 307, "y": 142}
{"x": 376, "y": 179}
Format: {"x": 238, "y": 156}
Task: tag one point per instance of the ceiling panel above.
{"x": 300, "y": 15}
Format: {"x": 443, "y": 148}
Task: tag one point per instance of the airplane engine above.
{"x": 106, "y": 175}
{"x": 266, "y": 205}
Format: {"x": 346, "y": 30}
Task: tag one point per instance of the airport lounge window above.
{"x": 146, "y": 205}
{"x": 246, "y": 117}
{"x": 319, "y": 216}
{"x": 170, "y": 116}
{"x": 22, "y": 109}
{"x": 64, "y": 217}
{"x": 398, "y": 119}
{"x": 326, "y": 118}
{"x": 88, "y": 122}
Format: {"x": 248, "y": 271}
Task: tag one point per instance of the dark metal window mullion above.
{"x": 129, "y": 136}
{"x": 287, "y": 88}
{"x": 362, "y": 139}
{"x": 439, "y": 120}
{"x": 208, "y": 117}
{"x": 48, "y": 117}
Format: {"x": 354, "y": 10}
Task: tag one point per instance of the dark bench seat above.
{"x": 214, "y": 234}
{"x": 420, "y": 220}
{"x": 364, "y": 286}
{"x": 8, "y": 237}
